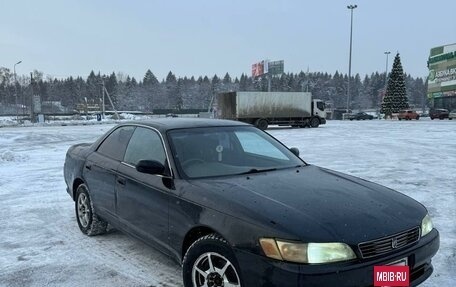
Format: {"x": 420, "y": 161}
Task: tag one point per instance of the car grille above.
{"x": 389, "y": 243}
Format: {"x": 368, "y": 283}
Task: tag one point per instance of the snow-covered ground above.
{"x": 41, "y": 245}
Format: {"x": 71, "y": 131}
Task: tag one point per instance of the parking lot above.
{"x": 41, "y": 245}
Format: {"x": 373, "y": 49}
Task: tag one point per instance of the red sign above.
{"x": 391, "y": 276}
{"x": 257, "y": 69}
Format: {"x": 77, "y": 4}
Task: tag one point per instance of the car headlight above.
{"x": 306, "y": 252}
{"x": 426, "y": 225}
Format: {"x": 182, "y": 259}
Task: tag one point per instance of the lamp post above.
{"x": 386, "y": 69}
{"x": 386, "y": 78}
{"x": 15, "y": 90}
{"x": 351, "y": 7}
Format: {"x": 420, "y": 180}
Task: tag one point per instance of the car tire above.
{"x": 314, "y": 122}
{"x": 88, "y": 220}
{"x": 417, "y": 117}
{"x": 400, "y": 119}
{"x": 210, "y": 261}
{"x": 432, "y": 118}
{"x": 262, "y": 124}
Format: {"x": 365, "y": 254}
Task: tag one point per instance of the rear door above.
{"x": 101, "y": 167}
{"x": 142, "y": 199}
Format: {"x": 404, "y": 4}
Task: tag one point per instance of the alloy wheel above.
{"x": 214, "y": 270}
{"x": 83, "y": 210}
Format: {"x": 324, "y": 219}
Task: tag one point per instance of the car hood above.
{"x": 313, "y": 204}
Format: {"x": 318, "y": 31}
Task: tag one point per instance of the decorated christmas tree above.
{"x": 396, "y": 97}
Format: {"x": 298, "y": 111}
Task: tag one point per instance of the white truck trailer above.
{"x": 296, "y": 109}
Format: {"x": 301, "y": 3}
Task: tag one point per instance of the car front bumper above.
{"x": 261, "y": 271}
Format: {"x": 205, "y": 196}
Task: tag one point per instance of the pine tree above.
{"x": 396, "y": 96}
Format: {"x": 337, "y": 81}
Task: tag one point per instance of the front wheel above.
{"x": 89, "y": 222}
{"x": 314, "y": 122}
{"x": 210, "y": 262}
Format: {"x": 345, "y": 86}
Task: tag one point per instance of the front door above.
{"x": 142, "y": 199}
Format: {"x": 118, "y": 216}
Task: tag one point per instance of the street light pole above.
{"x": 386, "y": 69}
{"x": 386, "y": 77}
{"x": 351, "y": 7}
{"x": 15, "y": 90}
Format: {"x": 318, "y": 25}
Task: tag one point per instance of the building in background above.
{"x": 442, "y": 77}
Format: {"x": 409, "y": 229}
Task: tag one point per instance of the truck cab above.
{"x": 318, "y": 108}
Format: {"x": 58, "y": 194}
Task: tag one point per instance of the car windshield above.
{"x": 222, "y": 151}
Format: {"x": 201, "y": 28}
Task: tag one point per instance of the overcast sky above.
{"x": 63, "y": 38}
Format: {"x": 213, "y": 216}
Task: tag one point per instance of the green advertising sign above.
{"x": 276, "y": 67}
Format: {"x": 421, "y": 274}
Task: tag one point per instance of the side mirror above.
{"x": 150, "y": 167}
{"x": 295, "y": 151}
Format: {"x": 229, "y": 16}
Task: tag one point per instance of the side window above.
{"x": 250, "y": 142}
{"x": 115, "y": 144}
{"x": 145, "y": 144}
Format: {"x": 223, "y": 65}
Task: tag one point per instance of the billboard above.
{"x": 266, "y": 67}
{"x": 257, "y": 69}
{"x": 276, "y": 67}
{"x": 442, "y": 72}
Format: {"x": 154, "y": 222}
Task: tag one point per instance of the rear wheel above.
{"x": 314, "y": 122}
{"x": 210, "y": 262}
{"x": 262, "y": 124}
{"x": 417, "y": 117}
{"x": 89, "y": 222}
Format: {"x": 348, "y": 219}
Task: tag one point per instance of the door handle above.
{"x": 121, "y": 181}
{"x": 89, "y": 167}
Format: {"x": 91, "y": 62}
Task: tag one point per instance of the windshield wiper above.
{"x": 255, "y": 170}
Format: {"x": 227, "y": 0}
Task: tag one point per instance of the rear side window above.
{"x": 115, "y": 144}
{"x": 145, "y": 144}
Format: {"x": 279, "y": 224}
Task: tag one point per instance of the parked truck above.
{"x": 296, "y": 109}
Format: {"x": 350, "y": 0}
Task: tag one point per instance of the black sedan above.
{"x": 236, "y": 207}
{"x": 360, "y": 116}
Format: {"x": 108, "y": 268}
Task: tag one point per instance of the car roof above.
{"x": 164, "y": 124}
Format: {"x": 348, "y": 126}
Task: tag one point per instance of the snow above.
{"x": 40, "y": 243}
